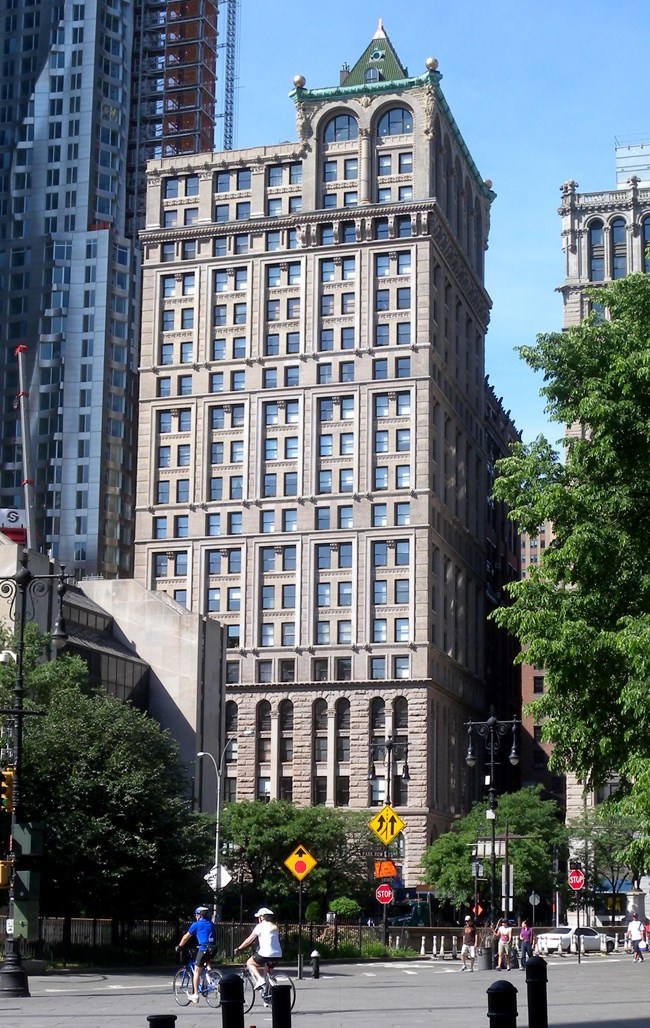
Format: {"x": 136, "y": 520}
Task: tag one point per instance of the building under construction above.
{"x": 90, "y": 92}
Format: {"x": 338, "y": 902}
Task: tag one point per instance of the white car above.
{"x": 561, "y": 940}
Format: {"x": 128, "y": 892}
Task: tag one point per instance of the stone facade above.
{"x": 312, "y": 443}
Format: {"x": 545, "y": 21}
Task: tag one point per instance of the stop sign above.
{"x": 576, "y": 879}
{"x": 384, "y": 893}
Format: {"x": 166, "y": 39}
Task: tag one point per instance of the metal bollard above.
{"x": 162, "y": 1020}
{"x": 422, "y": 949}
{"x": 536, "y": 979}
{"x": 502, "y": 1005}
{"x": 231, "y": 990}
{"x": 454, "y": 948}
{"x": 280, "y": 1006}
{"x": 315, "y": 963}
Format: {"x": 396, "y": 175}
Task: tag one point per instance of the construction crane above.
{"x": 230, "y": 48}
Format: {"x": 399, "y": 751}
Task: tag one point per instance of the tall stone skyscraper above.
{"x": 312, "y": 467}
{"x": 89, "y": 92}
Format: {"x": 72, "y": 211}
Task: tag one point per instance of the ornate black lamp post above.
{"x": 492, "y": 732}
{"x": 22, "y": 591}
{"x": 390, "y": 750}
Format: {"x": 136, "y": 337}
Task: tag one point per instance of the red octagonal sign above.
{"x": 576, "y": 878}
{"x": 384, "y": 893}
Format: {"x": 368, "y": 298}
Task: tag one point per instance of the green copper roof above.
{"x": 393, "y": 78}
{"x": 378, "y": 59}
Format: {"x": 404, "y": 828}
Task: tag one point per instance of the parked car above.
{"x": 561, "y": 939}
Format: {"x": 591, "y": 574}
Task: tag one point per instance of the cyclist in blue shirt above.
{"x": 203, "y": 934}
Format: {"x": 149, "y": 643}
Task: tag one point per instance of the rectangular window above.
{"x": 345, "y": 517}
{"x": 402, "y": 590}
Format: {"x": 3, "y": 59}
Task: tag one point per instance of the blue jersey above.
{"x": 203, "y": 932}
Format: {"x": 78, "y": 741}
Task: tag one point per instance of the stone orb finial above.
{"x": 299, "y": 81}
{"x": 487, "y": 182}
{"x": 431, "y": 64}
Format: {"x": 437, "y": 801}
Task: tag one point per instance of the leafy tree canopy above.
{"x": 258, "y": 838}
{"x": 583, "y": 612}
{"x": 604, "y": 839}
{"x": 107, "y": 785}
{"x": 536, "y": 837}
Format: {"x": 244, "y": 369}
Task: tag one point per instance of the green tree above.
{"x": 258, "y": 838}
{"x": 107, "y": 784}
{"x": 583, "y": 613}
{"x": 536, "y": 838}
{"x": 603, "y": 841}
{"x": 346, "y": 908}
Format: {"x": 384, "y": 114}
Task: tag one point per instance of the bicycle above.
{"x": 183, "y": 985}
{"x": 271, "y": 979}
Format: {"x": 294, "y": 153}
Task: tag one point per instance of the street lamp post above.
{"x": 218, "y": 771}
{"x": 22, "y": 591}
{"x": 390, "y": 748}
{"x": 492, "y": 732}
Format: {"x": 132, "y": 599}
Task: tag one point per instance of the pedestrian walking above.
{"x": 526, "y": 943}
{"x": 503, "y": 932}
{"x": 469, "y": 944}
{"x": 636, "y": 934}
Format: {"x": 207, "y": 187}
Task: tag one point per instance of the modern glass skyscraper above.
{"x": 89, "y": 91}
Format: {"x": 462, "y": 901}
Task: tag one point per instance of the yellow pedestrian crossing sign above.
{"x": 300, "y": 863}
{"x": 386, "y": 824}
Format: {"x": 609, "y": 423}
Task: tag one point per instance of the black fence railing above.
{"x": 111, "y": 941}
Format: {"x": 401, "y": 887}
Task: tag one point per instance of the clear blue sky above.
{"x": 539, "y": 91}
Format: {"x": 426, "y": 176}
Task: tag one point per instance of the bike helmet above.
{"x": 202, "y": 910}
{"x": 264, "y": 912}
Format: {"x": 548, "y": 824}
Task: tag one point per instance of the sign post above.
{"x": 576, "y": 879}
{"x": 576, "y": 882}
{"x": 300, "y": 863}
{"x": 384, "y": 893}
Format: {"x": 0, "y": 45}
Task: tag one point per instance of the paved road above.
{"x": 610, "y": 992}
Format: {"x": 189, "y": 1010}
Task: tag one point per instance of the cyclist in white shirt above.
{"x": 266, "y": 936}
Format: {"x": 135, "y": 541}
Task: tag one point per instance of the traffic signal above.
{"x": 7, "y": 791}
{"x": 5, "y": 874}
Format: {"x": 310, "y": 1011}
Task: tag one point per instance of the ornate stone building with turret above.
{"x": 312, "y": 466}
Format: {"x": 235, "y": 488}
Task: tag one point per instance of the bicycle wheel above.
{"x": 283, "y": 979}
{"x": 249, "y": 993}
{"x": 182, "y": 987}
{"x": 210, "y": 988}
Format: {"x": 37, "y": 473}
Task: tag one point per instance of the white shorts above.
{"x": 468, "y": 951}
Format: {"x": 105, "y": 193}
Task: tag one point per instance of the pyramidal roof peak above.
{"x": 378, "y": 63}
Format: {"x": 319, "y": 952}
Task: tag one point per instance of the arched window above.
{"x": 286, "y": 716}
{"x": 377, "y": 752}
{"x": 320, "y": 730}
{"x": 340, "y": 129}
{"x": 342, "y": 783}
{"x": 646, "y": 245}
{"x": 263, "y": 723}
{"x": 371, "y": 75}
{"x": 264, "y": 732}
{"x": 596, "y": 252}
{"x": 264, "y": 717}
{"x": 619, "y": 248}
{"x": 401, "y": 714}
{"x": 343, "y": 730}
{"x": 377, "y": 716}
{"x": 232, "y": 715}
{"x": 286, "y": 748}
{"x": 395, "y": 122}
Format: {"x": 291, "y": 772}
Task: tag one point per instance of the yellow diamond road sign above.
{"x": 386, "y": 824}
{"x": 300, "y": 863}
